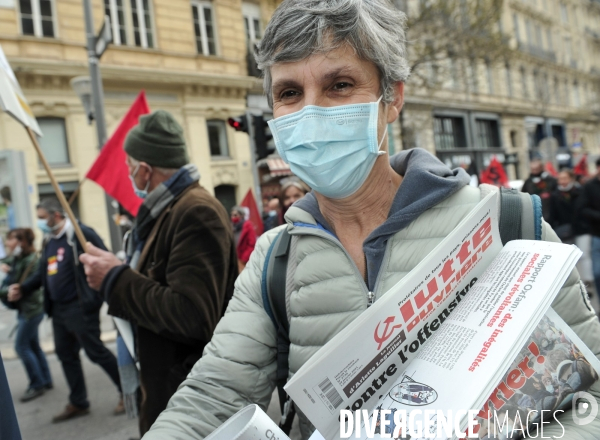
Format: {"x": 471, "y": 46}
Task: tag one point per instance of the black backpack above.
{"x": 514, "y": 223}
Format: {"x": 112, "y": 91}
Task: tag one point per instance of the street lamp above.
{"x": 82, "y": 85}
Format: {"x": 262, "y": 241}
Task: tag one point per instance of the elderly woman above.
{"x": 334, "y": 71}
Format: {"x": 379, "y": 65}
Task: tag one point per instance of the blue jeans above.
{"x": 596, "y": 261}
{"x": 27, "y": 346}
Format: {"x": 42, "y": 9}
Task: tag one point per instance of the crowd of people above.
{"x": 571, "y": 205}
{"x": 188, "y": 299}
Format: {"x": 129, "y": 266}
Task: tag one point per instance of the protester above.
{"x": 590, "y": 210}
{"x": 563, "y": 203}
{"x": 22, "y": 264}
{"x": 368, "y": 222}
{"x": 292, "y": 190}
{"x": 540, "y": 183}
{"x": 72, "y": 304}
{"x": 181, "y": 263}
{"x": 10, "y": 209}
{"x": 271, "y": 214}
{"x": 245, "y": 235}
{"x": 9, "y": 426}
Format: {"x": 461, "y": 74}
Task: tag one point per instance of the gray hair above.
{"x": 52, "y": 206}
{"x": 373, "y": 28}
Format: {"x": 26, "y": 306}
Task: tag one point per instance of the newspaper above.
{"x": 250, "y": 423}
{"x": 444, "y": 336}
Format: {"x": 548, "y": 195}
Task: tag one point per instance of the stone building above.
{"x": 191, "y": 58}
{"x": 546, "y": 87}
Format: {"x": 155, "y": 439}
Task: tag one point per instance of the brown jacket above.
{"x": 187, "y": 270}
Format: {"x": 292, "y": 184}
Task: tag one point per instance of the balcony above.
{"x": 542, "y": 54}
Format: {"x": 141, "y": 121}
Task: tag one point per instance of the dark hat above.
{"x": 158, "y": 141}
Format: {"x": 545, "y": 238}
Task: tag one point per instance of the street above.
{"x": 35, "y": 416}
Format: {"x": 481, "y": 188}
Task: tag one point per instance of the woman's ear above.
{"x": 394, "y": 108}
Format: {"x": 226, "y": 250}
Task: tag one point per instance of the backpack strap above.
{"x": 520, "y": 216}
{"x": 511, "y": 207}
{"x": 274, "y": 298}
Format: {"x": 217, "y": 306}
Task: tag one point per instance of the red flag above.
{"x": 250, "y": 203}
{"x": 550, "y": 169}
{"x": 581, "y": 169}
{"x": 494, "y": 174}
{"x": 110, "y": 170}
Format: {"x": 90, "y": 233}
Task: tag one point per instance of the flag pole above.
{"x": 59, "y": 194}
{"x": 76, "y": 192}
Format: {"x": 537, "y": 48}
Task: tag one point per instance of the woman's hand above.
{"x": 14, "y": 292}
{"x": 4, "y": 268}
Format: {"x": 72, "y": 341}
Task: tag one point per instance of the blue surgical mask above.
{"x": 141, "y": 193}
{"x": 333, "y": 149}
{"x": 272, "y": 213}
{"x": 43, "y": 225}
{"x": 550, "y": 389}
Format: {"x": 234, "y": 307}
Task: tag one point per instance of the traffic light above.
{"x": 262, "y": 136}
{"x": 239, "y": 124}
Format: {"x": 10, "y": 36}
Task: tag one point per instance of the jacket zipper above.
{"x": 384, "y": 263}
{"x": 371, "y": 296}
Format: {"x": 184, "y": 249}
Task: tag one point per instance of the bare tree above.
{"x": 448, "y": 40}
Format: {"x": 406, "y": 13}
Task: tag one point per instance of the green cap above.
{"x": 158, "y": 141}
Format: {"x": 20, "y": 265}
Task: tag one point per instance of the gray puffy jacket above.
{"x": 327, "y": 293}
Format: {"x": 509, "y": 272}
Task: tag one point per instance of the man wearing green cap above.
{"x": 181, "y": 263}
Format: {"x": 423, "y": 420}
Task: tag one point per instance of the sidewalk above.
{"x": 8, "y": 320}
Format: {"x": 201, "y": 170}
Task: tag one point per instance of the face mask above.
{"x": 141, "y": 193}
{"x": 550, "y": 389}
{"x": 43, "y": 225}
{"x": 565, "y": 188}
{"x": 235, "y": 220}
{"x": 17, "y": 250}
{"x": 272, "y": 213}
{"x": 332, "y": 149}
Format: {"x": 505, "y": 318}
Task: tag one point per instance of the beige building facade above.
{"x": 546, "y": 87}
{"x": 190, "y": 57}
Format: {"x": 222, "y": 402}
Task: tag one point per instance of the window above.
{"x": 537, "y": 89}
{"x": 37, "y": 17}
{"x": 524, "y": 90}
{"x": 473, "y": 76}
{"x": 516, "y": 26}
{"x": 529, "y": 32}
{"x": 487, "y": 133}
{"x": 563, "y": 13}
{"x": 116, "y": 11}
{"x": 204, "y": 27}
{"x": 54, "y": 142}
{"x": 131, "y": 22}
{"x": 576, "y": 97}
{"x": 538, "y": 37}
{"x": 142, "y": 23}
{"x": 217, "y": 138}
{"x": 251, "y": 13}
{"x": 568, "y": 51}
{"x": 556, "y": 91}
{"x": 490, "y": 77}
{"x": 509, "y": 85}
{"x": 454, "y": 76}
{"x": 566, "y": 90}
{"x": 449, "y": 132}
{"x": 549, "y": 39}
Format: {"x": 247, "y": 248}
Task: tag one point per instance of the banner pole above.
{"x": 59, "y": 194}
